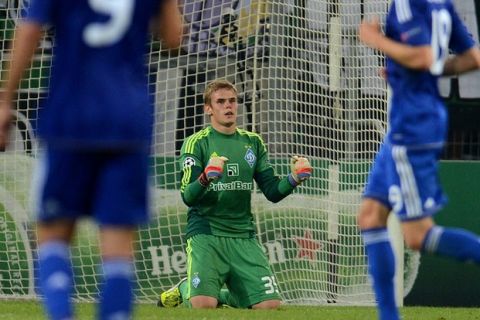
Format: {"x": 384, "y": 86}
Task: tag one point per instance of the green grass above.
{"x": 31, "y": 310}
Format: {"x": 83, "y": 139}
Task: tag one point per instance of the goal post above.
{"x": 305, "y": 85}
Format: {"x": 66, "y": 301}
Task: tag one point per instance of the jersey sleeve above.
{"x": 272, "y": 186}
{"x": 412, "y": 22}
{"x": 191, "y": 167}
{"x": 461, "y": 40}
{"x": 41, "y": 11}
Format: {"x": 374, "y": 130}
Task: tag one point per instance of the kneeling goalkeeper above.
{"x": 219, "y": 164}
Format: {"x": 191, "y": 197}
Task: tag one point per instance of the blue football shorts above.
{"x": 111, "y": 187}
{"x": 406, "y": 181}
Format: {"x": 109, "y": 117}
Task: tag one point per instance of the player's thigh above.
{"x": 251, "y": 280}
{"x": 416, "y": 192}
{"x": 381, "y": 177}
{"x": 415, "y": 231}
{"x": 122, "y": 189}
{"x": 208, "y": 265}
{"x": 63, "y": 184}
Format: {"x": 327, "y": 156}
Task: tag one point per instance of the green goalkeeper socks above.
{"x": 224, "y": 298}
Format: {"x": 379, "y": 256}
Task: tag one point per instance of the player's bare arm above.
{"x": 169, "y": 24}
{"x": 462, "y": 63}
{"x": 413, "y": 57}
{"x": 26, "y": 40}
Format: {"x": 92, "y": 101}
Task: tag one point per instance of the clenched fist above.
{"x": 300, "y": 168}
{"x": 214, "y": 169}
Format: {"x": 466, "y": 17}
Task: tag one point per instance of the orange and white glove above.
{"x": 301, "y": 170}
{"x": 213, "y": 170}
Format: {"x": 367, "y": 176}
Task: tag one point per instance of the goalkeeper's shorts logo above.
{"x": 188, "y": 162}
{"x": 195, "y": 280}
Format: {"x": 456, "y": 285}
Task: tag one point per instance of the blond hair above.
{"x": 217, "y": 85}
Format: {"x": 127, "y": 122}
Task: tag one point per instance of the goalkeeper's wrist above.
{"x": 292, "y": 180}
{"x": 203, "y": 180}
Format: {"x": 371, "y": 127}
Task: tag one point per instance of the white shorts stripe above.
{"x": 404, "y": 13}
{"x": 433, "y": 239}
{"x": 39, "y": 178}
{"x": 408, "y": 185}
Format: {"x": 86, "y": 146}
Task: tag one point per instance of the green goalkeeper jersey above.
{"x": 224, "y": 207}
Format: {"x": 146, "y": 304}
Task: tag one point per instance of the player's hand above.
{"x": 383, "y": 73}
{"x": 300, "y": 168}
{"x": 214, "y": 169}
{"x": 5, "y": 121}
{"x": 370, "y": 32}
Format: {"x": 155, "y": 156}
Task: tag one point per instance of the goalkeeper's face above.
{"x": 223, "y": 109}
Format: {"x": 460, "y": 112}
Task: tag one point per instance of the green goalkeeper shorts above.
{"x": 239, "y": 263}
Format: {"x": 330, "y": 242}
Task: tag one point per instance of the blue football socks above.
{"x": 56, "y": 279}
{"x": 381, "y": 266}
{"x": 116, "y": 294}
{"x": 459, "y": 244}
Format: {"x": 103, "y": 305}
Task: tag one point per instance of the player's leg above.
{"x": 55, "y": 268}
{"x": 227, "y": 299}
{"x": 175, "y": 296}
{"x": 59, "y": 195}
{"x": 251, "y": 283}
{"x": 423, "y": 197}
{"x": 120, "y": 206}
{"x": 116, "y": 296}
{"x": 203, "y": 302}
{"x": 372, "y": 220}
{"x": 207, "y": 271}
{"x": 269, "y": 304}
{"x": 459, "y": 244}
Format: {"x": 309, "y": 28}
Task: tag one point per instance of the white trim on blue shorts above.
{"x": 408, "y": 184}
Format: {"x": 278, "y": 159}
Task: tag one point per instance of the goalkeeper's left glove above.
{"x": 301, "y": 170}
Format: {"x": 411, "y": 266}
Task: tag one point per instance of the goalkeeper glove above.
{"x": 213, "y": 170}
{"x": 301, "y": 169}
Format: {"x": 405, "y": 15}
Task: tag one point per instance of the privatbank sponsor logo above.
{"x": 232, "y": 169}
{"x": 231, "y": 186}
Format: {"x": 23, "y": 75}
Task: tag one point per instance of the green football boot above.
{"x": 172, "y": 297}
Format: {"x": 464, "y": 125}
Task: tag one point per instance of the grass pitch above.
{"x": 32, "y": 310}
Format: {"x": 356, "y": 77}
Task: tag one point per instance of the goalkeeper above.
{"x": 219, "y": 164}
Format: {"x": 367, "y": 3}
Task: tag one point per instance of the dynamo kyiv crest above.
{"x": 250, "y": 157}
{"x": 196, "y": 280}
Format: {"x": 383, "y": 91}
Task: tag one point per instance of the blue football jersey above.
{"x": 417, "y": 114}
{"x": 98, "y": 90}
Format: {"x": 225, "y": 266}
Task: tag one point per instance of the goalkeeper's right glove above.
{"x": 213, "y": 170}
{"x": 301, "y": 169}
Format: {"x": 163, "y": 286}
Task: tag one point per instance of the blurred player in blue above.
{"x": 404, "y": 178}
{"x": 95, "y": 128}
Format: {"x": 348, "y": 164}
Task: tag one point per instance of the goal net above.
{"x": 305, "y": 85}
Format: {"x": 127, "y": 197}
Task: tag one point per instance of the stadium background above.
{"x": 456, "y": 288}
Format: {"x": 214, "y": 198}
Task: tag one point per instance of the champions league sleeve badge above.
{"x": 250, "y": 157}
{"x": 188, "y": 162}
